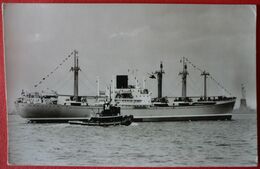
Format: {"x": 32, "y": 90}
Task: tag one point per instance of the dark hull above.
{"x": 185, "y": 118}
{"x": 105, "y": 121}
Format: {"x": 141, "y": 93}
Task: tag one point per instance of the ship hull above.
{"x": 61, "y": 113}
{"x": 55, "y": 113}
{"x": 219, "y": 111}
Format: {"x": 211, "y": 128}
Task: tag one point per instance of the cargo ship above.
{"x": 132, "y": 99}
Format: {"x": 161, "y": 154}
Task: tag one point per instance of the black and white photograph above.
{"x": 149, "y": 85}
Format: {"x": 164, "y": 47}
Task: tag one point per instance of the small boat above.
{"x": 110, "y": 116}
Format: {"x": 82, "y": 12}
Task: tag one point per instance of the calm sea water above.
{"x": 200, "y": 143}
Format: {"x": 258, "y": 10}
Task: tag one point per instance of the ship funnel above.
{"x": 121, "y": 81}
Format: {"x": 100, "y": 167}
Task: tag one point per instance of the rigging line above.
{"x": 45, "y": 86}
{"x": 194, "y": 85}
{"x": 83, "y": 75}
{"x": 84, "y": 72}
{"x": 197, "y": 85}
{"x": 87, "y": 79}
{"x": 176, "y": 86}
{"x": 46, "y": 90}
{"x": 196, "y": 67}
{"x": 53, "y": 71}
{"x": 56, "y": 85}
{"x": 221, "y": 86}
{"x": 86, "y": 85}
{"x": 65, "y": 80}
{"x": 62, "y": 86}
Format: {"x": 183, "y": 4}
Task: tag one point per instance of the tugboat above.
{"x": 110, "y": 116}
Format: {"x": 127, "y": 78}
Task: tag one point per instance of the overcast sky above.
{"x": 114, "y": 38}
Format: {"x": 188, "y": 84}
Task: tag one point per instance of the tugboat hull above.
{"x": 105, "y": 121}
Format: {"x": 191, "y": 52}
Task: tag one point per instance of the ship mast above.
{"x": 205, "y": 74}
{"x": 76, "y": 70}
{"x": 184, "y": 74}
{"x": 159, "y": 77}
{"x": 98, "y": 93}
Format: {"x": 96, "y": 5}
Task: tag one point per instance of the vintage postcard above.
{"x": 131, "y": 84}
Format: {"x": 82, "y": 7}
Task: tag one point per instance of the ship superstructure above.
{"x": 126, "y": 95}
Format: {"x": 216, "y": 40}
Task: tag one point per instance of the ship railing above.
{"x": 202, "y": 98}
{"x": 128, "y": 100}
{"x": 88, "y": 97}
